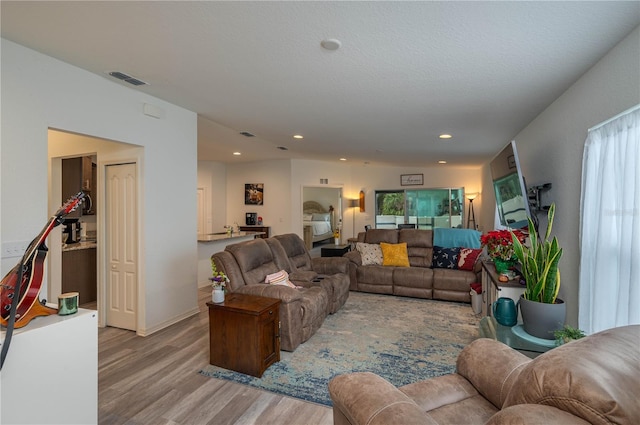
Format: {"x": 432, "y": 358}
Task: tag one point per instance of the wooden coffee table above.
{"x": 244, "y": 333}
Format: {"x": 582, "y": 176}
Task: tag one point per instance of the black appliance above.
{"x": 251, "y": 219}
{"x": 72, "y": 229}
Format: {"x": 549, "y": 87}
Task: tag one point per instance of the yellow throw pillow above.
{"x": 394, "y": 254}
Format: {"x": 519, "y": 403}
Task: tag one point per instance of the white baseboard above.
{"x": 167, "y": 323}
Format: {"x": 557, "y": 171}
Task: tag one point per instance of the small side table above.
{"x": 244, "y": 333}
{"x": 334, "y": 250}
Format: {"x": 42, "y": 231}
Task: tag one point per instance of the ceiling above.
{"x": 405, "y": 72}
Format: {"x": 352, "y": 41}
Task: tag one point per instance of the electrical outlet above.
{"x": 14, "y": 249}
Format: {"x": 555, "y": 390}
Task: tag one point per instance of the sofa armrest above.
{"x": 330, "y": 265}
{"x": 492, "y": 367}
{"x": 284, "y": 293}
{"x": 354, "y": 257}
{"x": 366, "y": 398}
{"x": 534, "y": 414}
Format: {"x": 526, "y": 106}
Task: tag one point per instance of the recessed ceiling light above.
{"x": 237, "y": 153}
{"x": 445, "y": 136}
{"x": 331, "y": 44}
{"x": 442, "y": 161}
{"x": 343, "y": 159}
{"x": 298, "y": 136}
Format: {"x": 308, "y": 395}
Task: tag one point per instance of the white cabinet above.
{"x": 50, "y": 375}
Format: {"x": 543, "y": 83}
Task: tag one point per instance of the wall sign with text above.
{"x": 411, "y": 179}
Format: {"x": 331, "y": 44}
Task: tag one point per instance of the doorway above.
{"x": 328, "y": 199}
{"x": 63, "y": 144}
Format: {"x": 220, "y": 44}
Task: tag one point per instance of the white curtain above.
{"x": 610, "y": 225}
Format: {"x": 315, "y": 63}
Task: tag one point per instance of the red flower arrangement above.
{"x": 500, "y": 244}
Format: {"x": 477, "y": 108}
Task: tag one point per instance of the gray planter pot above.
{"x": 540, "y": 319}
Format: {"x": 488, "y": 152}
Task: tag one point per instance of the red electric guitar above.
{"x": 31, "y": 269}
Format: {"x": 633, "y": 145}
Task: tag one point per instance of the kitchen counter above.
{"x": 210, "y": 243}
{"x": 79, "y": 245}
{"x": 214, "y": 237}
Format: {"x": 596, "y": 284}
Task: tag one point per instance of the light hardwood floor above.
{"x": 155, "y": 380}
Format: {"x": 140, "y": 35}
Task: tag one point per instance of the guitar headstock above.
{"x": 71, "y": 205}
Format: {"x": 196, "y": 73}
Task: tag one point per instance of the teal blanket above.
{"x": 452, "y": 238}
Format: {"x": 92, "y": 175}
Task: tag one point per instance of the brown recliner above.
{"x": 302, "y": 310}
{"x": 592, "y": 380}
{"x": 331, "y": 273}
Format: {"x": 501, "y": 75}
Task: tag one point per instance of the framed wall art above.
{"x": 254, "y": 193}
{"x": 411, "y": 179}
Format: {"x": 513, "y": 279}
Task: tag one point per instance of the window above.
{"x": 610, "y": 225}
{"x": 426, "y": 208}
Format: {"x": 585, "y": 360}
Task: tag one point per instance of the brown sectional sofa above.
{"x": 419, "y": 280}
{"x": 323, "y": 282}
{"x": 594, "y": 380}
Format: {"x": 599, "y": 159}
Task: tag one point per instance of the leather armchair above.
{"x": 593, "y": 380}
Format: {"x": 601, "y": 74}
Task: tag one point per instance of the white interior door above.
{"x": 121, "y": 245}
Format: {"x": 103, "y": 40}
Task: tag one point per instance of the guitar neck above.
{"x": 39, "y": 240}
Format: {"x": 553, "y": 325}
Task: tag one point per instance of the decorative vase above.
{"x": 542, "y": 319}
{"x": 503, "y": 266}
{"x": 217, "y": 295}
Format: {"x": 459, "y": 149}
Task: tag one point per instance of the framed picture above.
{"x": 254, "y": 193}
{"x": 411, "y": 179}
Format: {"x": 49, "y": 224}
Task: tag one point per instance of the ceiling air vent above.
{"x": 283, "y": 148}
{"x": 127, "y": 78}
{"x": 247, "y": 134}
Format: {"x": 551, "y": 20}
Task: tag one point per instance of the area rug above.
{"x": 404, "y": 340}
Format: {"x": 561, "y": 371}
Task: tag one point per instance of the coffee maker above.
{"x": 251, "y": 219}
{"x": 72, "y": 230}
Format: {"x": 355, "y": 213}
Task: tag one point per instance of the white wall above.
{"x": 212, "y": 177}
{"x": 276, "y": 209}
{"x": 38, "y": 93}
{"x": 550, "y": 148}
{"x": 285, "y": 179}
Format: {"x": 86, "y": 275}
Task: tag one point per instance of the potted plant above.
{"x": 567, "y": 334}
{"x": 219, "y": 281}
{"x": 542, "y": 311}
{"x": 500, "y": 248}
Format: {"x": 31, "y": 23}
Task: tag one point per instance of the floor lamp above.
{"x": 353, "y": 204}
{"x": 471, "y": 217}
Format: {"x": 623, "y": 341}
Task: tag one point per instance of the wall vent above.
{"x": 127, "y": 78}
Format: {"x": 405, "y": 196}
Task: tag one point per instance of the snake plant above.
{"x": 540, "y": 263}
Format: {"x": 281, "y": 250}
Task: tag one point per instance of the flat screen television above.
{"x": 509, "y": 185}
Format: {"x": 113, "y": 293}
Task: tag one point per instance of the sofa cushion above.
{"x": 394, "y": 254}
{"x": 467, "y": 258}
{"x": 254, "y": 259}
{"x": 381, "y": 235}
{"x": 445, "y": 258}
{"x": 419, "y": 246}
{"x": 371, "y": 253}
